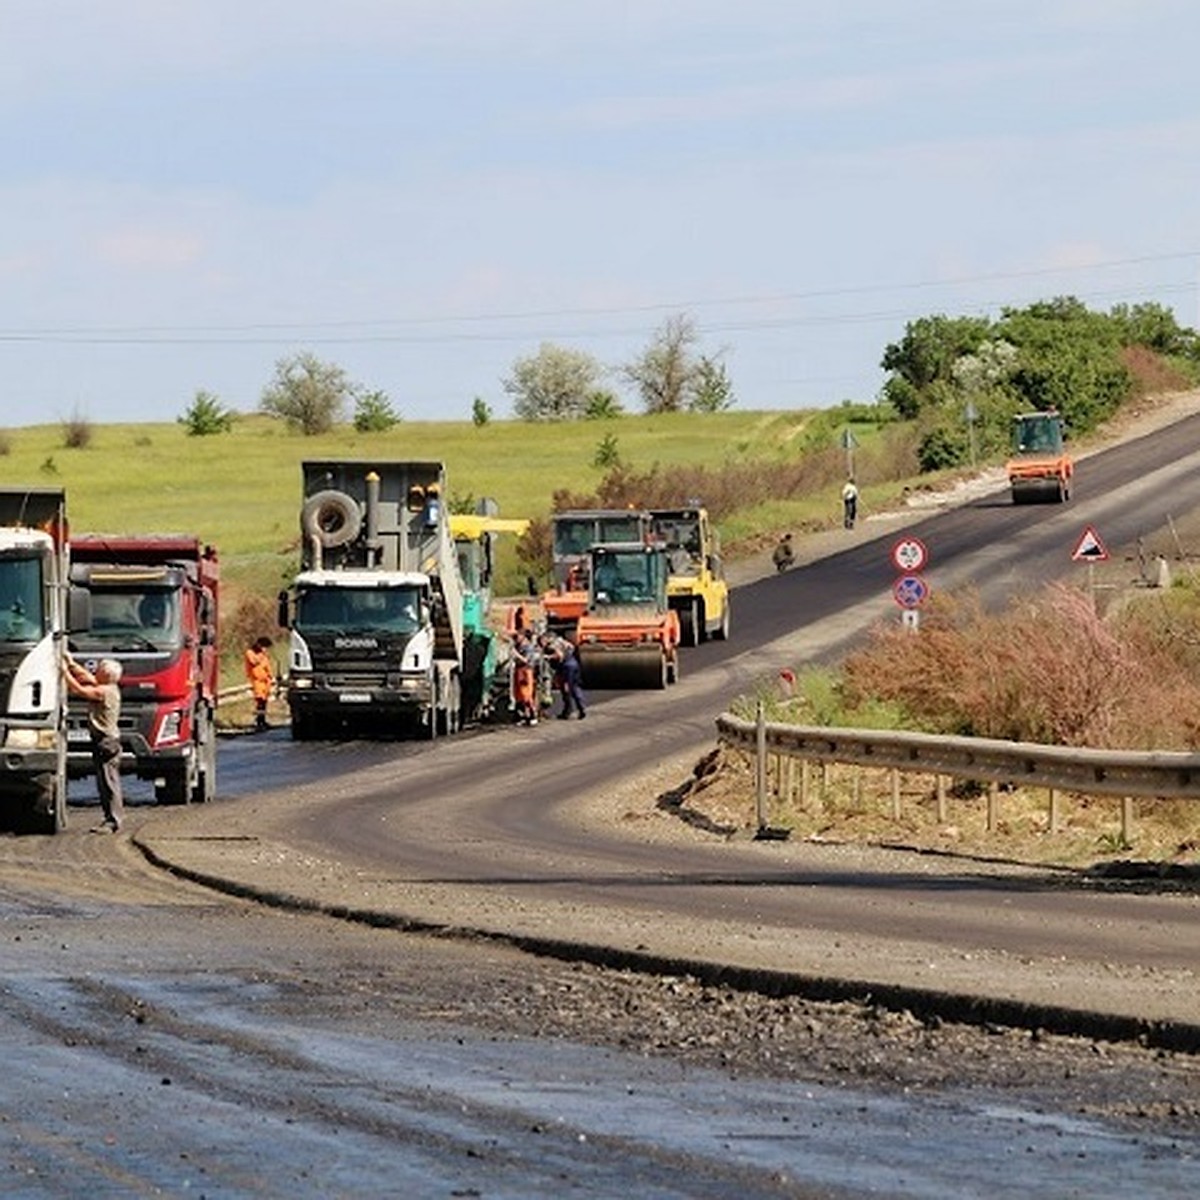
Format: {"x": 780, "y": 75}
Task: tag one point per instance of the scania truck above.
{"x": 376, "y": 613}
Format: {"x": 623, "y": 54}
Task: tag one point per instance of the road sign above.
{"x": 911, "y": 591}
{"x": 1089, "y": 548}
{"x": 909, "y": 555}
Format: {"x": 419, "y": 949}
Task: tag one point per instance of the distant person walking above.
{"x": 103, "y": 695}
{"x": 849, "y": 502}
{"x": 260, "y": 673}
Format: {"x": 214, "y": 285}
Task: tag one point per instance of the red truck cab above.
{"x": 153, "y": 609}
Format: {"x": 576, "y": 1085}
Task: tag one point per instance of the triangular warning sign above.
{"x": 1089, "y": 548}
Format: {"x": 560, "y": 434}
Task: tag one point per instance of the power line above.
{"x": 321, "y": 332}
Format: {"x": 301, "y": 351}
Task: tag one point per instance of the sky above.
{"x": 424, "y": 191}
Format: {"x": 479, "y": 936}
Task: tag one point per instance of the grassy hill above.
{"x": 241, "y": 490}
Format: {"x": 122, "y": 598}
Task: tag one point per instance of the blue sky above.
{"x": 423, "y": 191}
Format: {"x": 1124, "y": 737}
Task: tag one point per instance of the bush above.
{"x": 206, "y": 416}
{"x": 373, "y": 413}
{"x": 1040, "y": 671}
{"x": 77, "y": 431}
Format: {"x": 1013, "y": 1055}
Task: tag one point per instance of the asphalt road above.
{"x": 494, "y": 832}
{"x": 164, "y": 1038}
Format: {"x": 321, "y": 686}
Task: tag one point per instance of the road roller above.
{"x": 629, "y": 635}
{"x": 1040, "y": 468}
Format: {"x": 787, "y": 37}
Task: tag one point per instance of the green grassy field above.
{"x": 240, "y": 491}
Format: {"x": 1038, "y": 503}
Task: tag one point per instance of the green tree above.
{"x": 206, "y": 415}
{"x": 711, "y": 387}
{"x": 373, "y": 413}
{"x": 602, "y": 405}
{"x": 607, "y": 454}
{"x": 310, "y": 395}
{"x": 554, "y": 384}
{"x": 481, "y": 412}
{"x": 664, "y": 373}
{"x": 926, "y": 355}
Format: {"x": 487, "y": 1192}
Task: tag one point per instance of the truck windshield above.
{"x": 358, "y": 610}
{"x": 22, "y": 616}
{"x": 131, "y": 619}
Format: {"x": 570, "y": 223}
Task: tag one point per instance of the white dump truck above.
{"x": 33, "y": 631}
{"x": 376, "y": 613}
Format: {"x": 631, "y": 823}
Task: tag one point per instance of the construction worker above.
{"x": 850, "y": 502}
{"x": 524, "y": 678}
{"x": 567, "y": 676}
{"x": 260, "y": 673}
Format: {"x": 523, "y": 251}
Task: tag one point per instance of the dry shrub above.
{"x": 77, "y": 432}
{"x": 1151, "y": 373}
{"x": 245, "y": 616}
{"x": 1048, "y": 669}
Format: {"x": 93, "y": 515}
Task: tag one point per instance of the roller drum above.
{"x": 618, "y": 669}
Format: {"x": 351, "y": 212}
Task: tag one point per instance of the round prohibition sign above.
{"x": 909, "y": 555}
{"x": 911, "y": 591}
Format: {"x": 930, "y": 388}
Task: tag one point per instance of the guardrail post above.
{"x": 1127, "y": 820}
{"x": 760, "y": 766}
{"x": 941, "y": 799}
{"x": 1053, "y": 820}
{"x": 993, "y": 806}
{"x": 788, "y": 766}
{"x": 805, "y": 783}
{"x": 895, "y": 774}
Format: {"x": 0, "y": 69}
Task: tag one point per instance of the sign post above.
{"x": 910, "y": 591}
{"x": 1091, "y": 550}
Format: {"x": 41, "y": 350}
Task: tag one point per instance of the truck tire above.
{"x": 174, "y": 787}
{"x": 47, "y": 812}
{"x": 332, "y": 517}
{"x": 205, "y": 790}
{"x": 301, "y": 728}
{"x": 691, "y": 624}
{"x": 721, "y": 633}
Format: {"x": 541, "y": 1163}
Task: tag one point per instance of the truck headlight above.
{"x": 31, "y": 739}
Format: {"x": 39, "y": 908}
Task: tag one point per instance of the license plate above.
{"x": 78, "y": 737}
{"x": 354, "y": 697}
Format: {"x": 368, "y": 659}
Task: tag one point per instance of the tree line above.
{"x": 958, "y": 380}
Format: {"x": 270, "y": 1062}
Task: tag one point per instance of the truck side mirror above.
{"x": 79, "y": 610}
{"x": 283, "y": 616}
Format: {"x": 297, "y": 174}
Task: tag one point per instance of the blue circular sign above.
{"x": 911, "y": 591}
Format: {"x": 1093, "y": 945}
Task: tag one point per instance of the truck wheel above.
{"x": 174, "y": 786}
{"x": 722, "y": 631}
{"x": 47, "y": 812}
{"x": 673, "y": 668}
{"x": 205, "y": 790}
{"x": 690, "y": 624}
{"x": 301, "y": 728}
{"x": 332, "y": 517}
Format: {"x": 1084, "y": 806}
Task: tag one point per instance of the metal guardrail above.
{"x": 1128, "y": 774}
{"x": 1160, "y": 773}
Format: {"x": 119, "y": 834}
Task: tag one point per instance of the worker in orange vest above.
{"x": 260, "y": 672}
